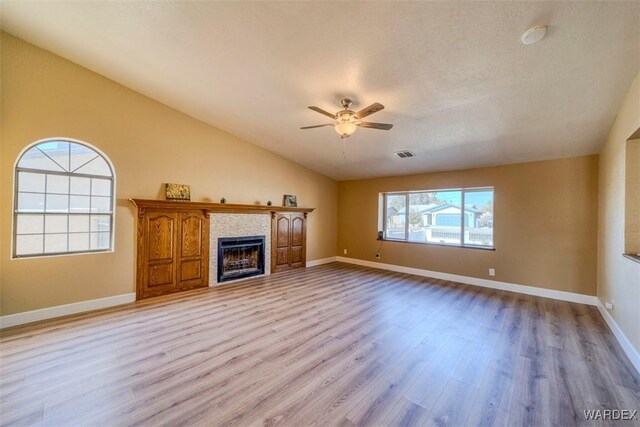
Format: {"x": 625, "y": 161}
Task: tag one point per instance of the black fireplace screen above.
{"x": 240, "y": 257}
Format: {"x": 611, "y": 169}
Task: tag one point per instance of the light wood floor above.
{"x": 332, "y": 345}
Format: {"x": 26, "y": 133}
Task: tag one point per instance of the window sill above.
{"x": 61, "y": 254}
{"x": 632, "y": 257}
{"x": 482, "y": 248}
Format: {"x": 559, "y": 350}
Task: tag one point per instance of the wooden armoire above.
{"x": 288, "y": 241}
{"x": 173, "y": 250}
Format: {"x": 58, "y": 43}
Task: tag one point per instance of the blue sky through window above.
{"x": 471, "y": 198}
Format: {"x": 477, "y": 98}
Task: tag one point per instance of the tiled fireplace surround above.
{"x": 237, "y": 225}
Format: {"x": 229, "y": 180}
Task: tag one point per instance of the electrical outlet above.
{"x": 608, "y": 305}
{"x": 492, "y": 272}
{"x": 378, "y": 255}
{"x": 344, "y": 251}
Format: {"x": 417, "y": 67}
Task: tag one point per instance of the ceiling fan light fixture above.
{"x": 346, "y": 121}
{"x": 344, "y": 116}
{"x": 345, "y": 128}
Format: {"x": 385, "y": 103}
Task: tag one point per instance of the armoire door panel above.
{"x": 161, "y": 229}
{"x": 282, "y": 256}
{"x": 296, "y": 255}
{"x": 194, "y": 232}
{"x": 191, "y": 233}
{"x": 190, "y": 270}
{"x": 297, "y": 226}
{"x": 161, "y": 275}
{"x": 282, "y": 234}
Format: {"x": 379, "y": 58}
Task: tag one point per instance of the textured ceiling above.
{"x": 459, "y": 87}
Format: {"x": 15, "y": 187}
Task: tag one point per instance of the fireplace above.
{"x": 240, "y": 257}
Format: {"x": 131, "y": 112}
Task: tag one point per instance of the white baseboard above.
{"x": 629, "y": 349}
{"x": 64, "y": 310}
{"x": 485, "y": 283}
{"x": 321, "y": 261}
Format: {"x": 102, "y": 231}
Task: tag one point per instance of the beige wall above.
{"x": 545, "y": 224}
{"x": 618, "y": 277}
{"x": 149, "y": 143}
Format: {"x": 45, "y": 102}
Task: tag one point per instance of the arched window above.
{"x": 63, "y": 202}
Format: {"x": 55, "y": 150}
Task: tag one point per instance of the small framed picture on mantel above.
{"x": 289, "y": 201}
{"x": 177, "y": 192}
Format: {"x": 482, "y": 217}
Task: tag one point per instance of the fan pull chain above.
{"x": 344, "y": 148}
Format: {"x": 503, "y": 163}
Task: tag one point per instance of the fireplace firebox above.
{"x": 240, "y": 257}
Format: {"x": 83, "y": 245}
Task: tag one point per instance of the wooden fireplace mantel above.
{"x": 173, "y": 242}
{"x": 214, "y": 207}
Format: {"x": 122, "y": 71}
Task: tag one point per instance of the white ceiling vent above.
{"x": 405, "y": 154}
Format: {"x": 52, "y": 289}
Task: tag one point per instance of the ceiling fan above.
{"x": 347, "y": 121}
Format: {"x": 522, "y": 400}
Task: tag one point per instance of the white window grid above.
{"x": 44, "y": 213}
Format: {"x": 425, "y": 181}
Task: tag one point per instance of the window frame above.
{"x": 112, "y": 202}
{"x": 383, "y": 217}
{"x": 631, "y": 203}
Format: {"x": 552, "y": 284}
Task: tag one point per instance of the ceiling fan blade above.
{"x": 321, "y": 111}
{"x": 373, "y": 108}
{"x": 383, "y": 126}
{"x": 316, "y": 126}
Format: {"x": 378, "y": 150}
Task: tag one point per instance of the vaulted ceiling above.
{"x": 457, "y": 83}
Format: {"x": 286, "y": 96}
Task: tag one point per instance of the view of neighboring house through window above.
{"x": 439, "y": 217}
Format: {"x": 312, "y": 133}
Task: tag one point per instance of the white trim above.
{"x": 315, "y": 262}
{"x": 629, "y": 349}
{"x": 485, "y": 283}
{"x": 64, "y": 310}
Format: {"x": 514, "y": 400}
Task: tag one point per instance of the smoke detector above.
{"x": 534, "y": 34}
{"x": 404, "y": 154}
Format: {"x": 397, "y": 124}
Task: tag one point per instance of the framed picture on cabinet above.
{"x": 289, "y": 201}
{"x": 177, "y": 192}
